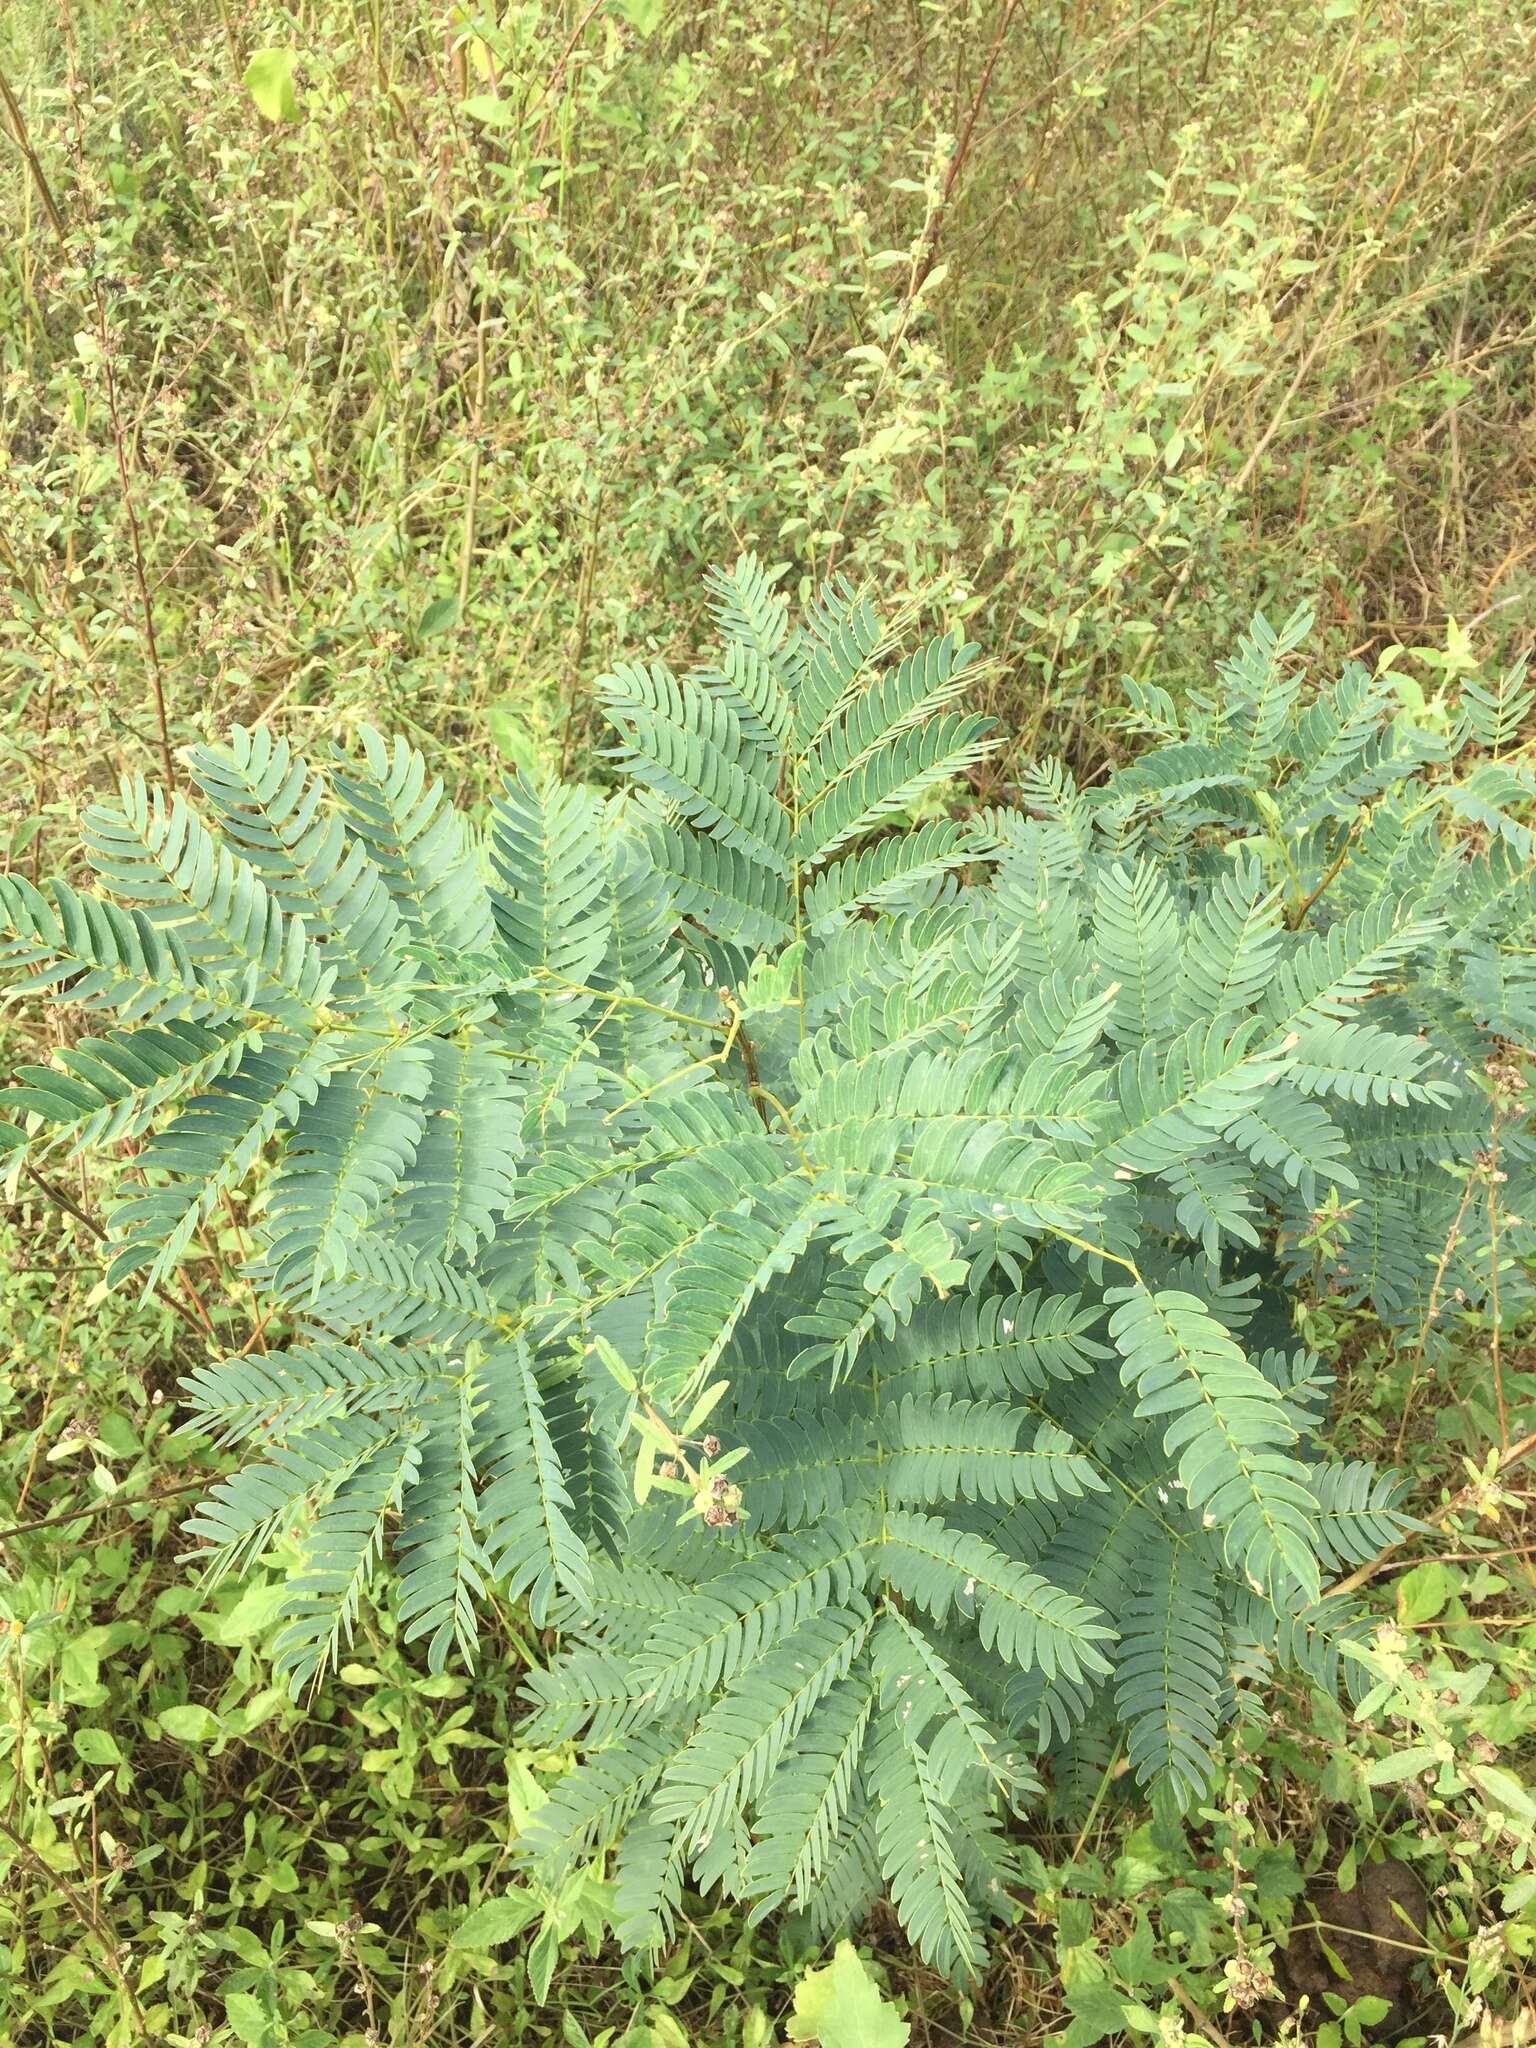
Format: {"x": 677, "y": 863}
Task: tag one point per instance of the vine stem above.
{"x": 1431, "y": 1312}
{"x": 608, "y": 995}
{"x": 24, "y": 143}
{"x": 1495, "y": 1353}
{"x": 930, "y": 248}
{"x": 1296, "y": 915}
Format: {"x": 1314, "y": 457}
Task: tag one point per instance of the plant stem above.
{"x": 100, "y": 1507}
{"x": 23, "y": 143}
{"x": 1296, "y": 915}
{"x": 1368, "y": 1571}
{"x": 930, "y": 247}
{"x": 136, "y": 542}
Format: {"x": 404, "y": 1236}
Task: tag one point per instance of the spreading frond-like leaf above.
{"x": 281, "y": 1394}
{"x": 715, "y": 1281}
{"x": 274, "y": 810}
{"x": 919, "y": 1854}
{"x": 724, "y": 889}
{"x": 1025, "y": 1619}
{"x": 155, "y": 855}
{"x": 581, "y": 1693}
{"x": 101, "y": 957}
{"x": 890, "y": 780}
{"x": 212, "y": 1145}
{"x": 705, "y": 1641}
{"x": 1359, "y": 1512}
{"x": 550, "y": 909}
{"x": 442, "y": 1563}
{"x": 103, "y": 1089}
{"x": 419, "y": 844}
{"x": 688, "y": 745}
{"x": 1136, "y": 937}
{"x": 524, "y": 1516}
{"x": 341, "y": 1553}
{"x": 942, "y": 1448}
{"x": 348, "y": 1153}
{"x": 1168, "y": 1670}
{"x": 1229, "y": 1433}
{"x": 1228, "y": 950}
{"x": 460, "y": 1181}
{"x": 886, "y": 871}
{"x": 590, "y": 1805}
{"x": 737, "y": 1746}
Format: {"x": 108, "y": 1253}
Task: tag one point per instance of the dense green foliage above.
{"x": 399, "y": 366}
{"x": 332, "y": 1869}
{"x": 437, "y": 391}
{"x": 952, "y": 1174}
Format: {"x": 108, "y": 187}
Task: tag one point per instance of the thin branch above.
{"x": 136, "y": 542}
{"x": 101, "y": 1507}
{"x": 930, "y": 246}
{"x": 1296, "y": 915}
{"x": 39, "y": 177}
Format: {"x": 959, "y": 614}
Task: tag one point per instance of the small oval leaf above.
{"x": 269, "y": 81}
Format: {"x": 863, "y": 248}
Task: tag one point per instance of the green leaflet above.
{"x": 942, "y": 1448}
{"x": 108, "y": 1088}
{"x": 1229, "y": 1434}
{"x": 286, "y": 1393}
{"x": 273, "y": 809}
{"x": 462, "y": 1174}
{"x": 443, "y": 1563}
{"x": 745, "y": 1609}
{"x": 739, "y": 1742}
{"x": 1168, "y": 1670}
{"x": 341, "y": 1553}
{"x": 155, "y": 854}
{"x": 524, "y": 1517}
{"x": 419, "y": 843}
{"x": 919, "y": 1854}
{"x": 809, "y": 1796}
{"x": 106, "y": 957}
{"x": 1136, "y": 938}
{"x": 348, "y": 1152}
{"x": 550, "y": 912}
{"x": 1028, "y": 1621}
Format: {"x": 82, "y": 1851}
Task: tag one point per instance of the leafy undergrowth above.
{"x": 405, "y": 319}
{"x": 191, "y": 1857}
